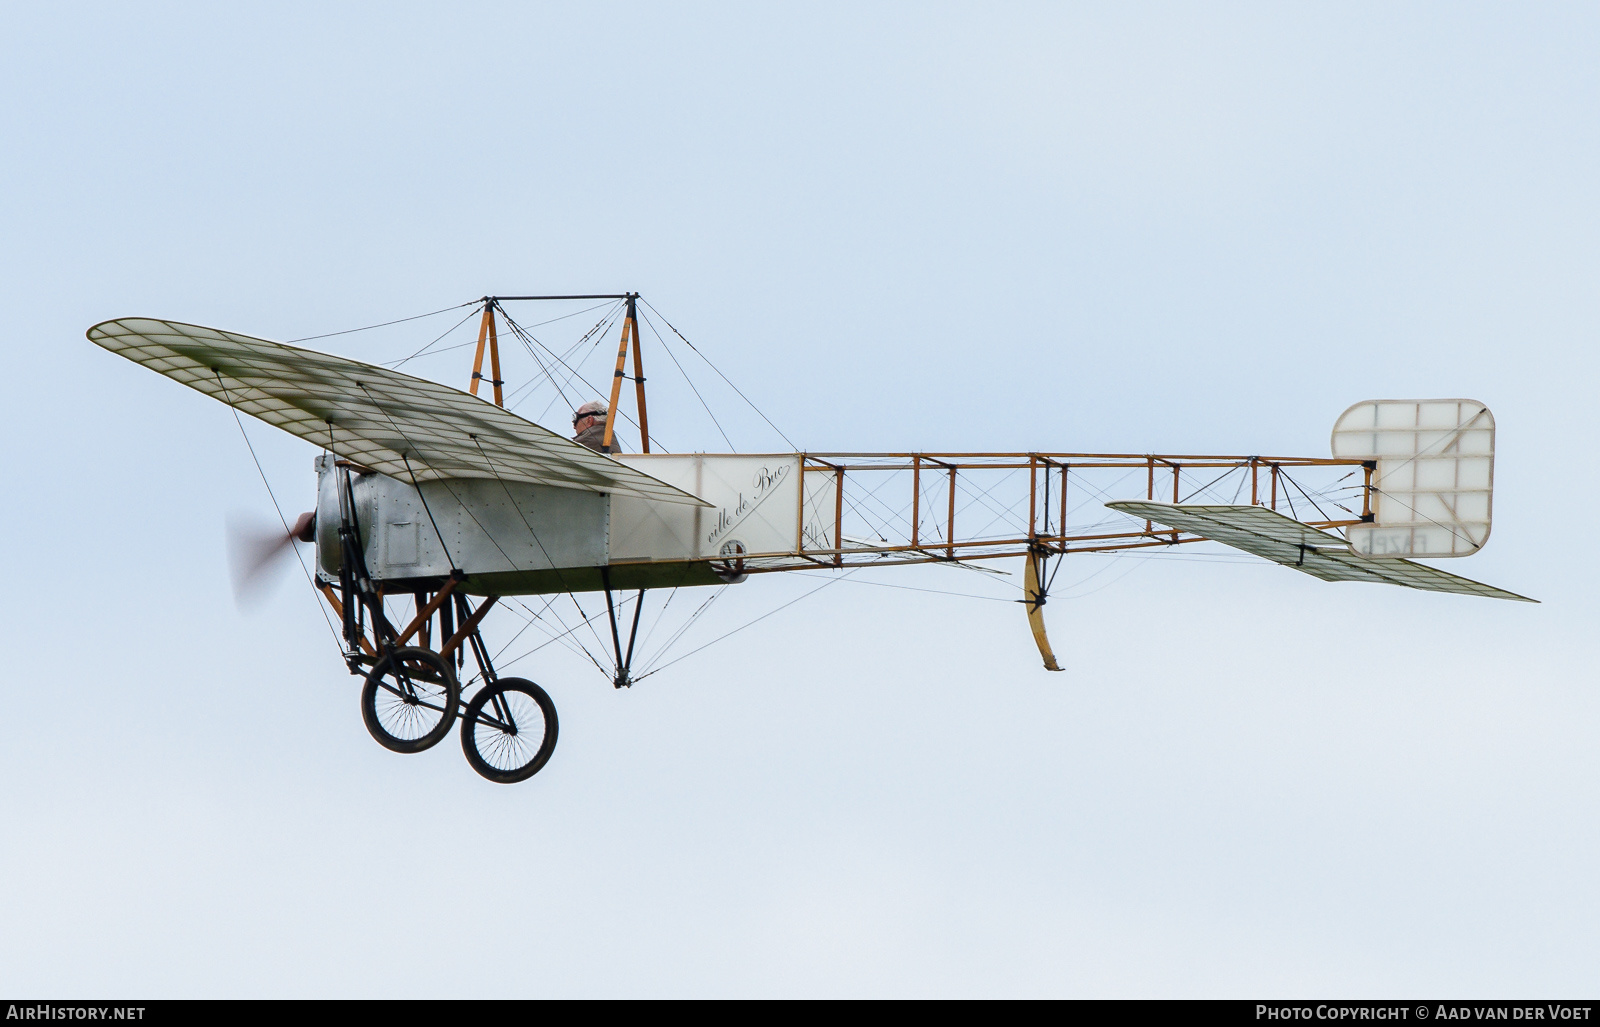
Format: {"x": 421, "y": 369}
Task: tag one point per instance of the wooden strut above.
{"x": 1001, "y": 547}
{"x": 494, "y": 360}
{"x": 425, "y": 614}
{"x": 838, "y": 517}
{"x": 1019, "y": 460}
{"x": 488, "y": 335}
{"x": 423, "y": 617}
{"x": 630, "y": 326}
{"x": 1033, "y": 497}
{"x": 823, "y": 558}
{"x": 468, "y": 627}
{"x": 338, "y": 608}
{"x": 950, "y": 515}
{"x": 1175, "y": 469}
{"x": 424, "y": 629}
{"x": 816, "y": 546}
{"x": 916, "y": 497}
{"x": 1061, "y": 518}
{"x": 800, "y": 510}
{"x": 1150, "y": 491}
{"x": 904, "y": 556}
{"x": 950, "y": 524}
{"x": 638, "y": 380}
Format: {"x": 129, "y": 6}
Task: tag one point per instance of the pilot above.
{"x": 589, "y": 426}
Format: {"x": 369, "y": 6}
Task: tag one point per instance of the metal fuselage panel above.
{"x": 512, "y": 538}
{"x": 509, "y": 537}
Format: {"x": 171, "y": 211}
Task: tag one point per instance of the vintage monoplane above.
{"x": 436, "y": 496}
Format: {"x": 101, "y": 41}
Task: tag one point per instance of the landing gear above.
{"x": 410, "y": 699}
{"x": 412, "y": 695}
{"x": 509, "y": 730}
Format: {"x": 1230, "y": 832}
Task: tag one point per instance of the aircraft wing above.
{"x": 382, "y": 419}
{"x": 1266, "y": 533}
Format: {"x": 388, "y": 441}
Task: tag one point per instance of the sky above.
{"x": 1088, "y": 227}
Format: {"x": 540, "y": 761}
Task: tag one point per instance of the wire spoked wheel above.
{"x": 509, "y": 730}
{"x": 410, "y": 700}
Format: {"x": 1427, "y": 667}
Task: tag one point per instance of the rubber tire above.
{"x": 369, "y": 697}
{"x": 469, "y": 738}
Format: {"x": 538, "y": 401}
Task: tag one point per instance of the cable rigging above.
{"x": 562, "y": 370}
{"x": 386, "y": 324}
{"x": 724, "y": 377}
{"x": 275, "y": 506}
{"x": 397, "y": 364}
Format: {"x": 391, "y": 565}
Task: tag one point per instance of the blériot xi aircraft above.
{"x": 445, "y": 500}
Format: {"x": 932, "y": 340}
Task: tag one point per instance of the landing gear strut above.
{"x": 412, "y": 694}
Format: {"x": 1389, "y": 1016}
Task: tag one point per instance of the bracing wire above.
{"x": 537, "y": 618}
{"x": 403, "y": 320}
{"x": 605, "y": 322}
{"x": 596, "y": 333}
{"x": 559, "y": 369}
{"x": 533, "y": 618}
{"x": 573, "y": 372}
{"x": 1135, "y": 565}
{"x": 1213, "y": 481}
{"x": 724, "y": 377}
{"x": 661, "y": 614}
{"x": 747, "y": 624}
{"x": 397, "y": 364}
{"x": 1239, "y": 487}
{"x": 682, "y": 628}
{"x": 563, "y": 317}
{"x": 528, "y": 341}
{"x": 906, "y": 588}
{"x": 468, "y": 510}
{"x": 558, "y": 638}
{"x": 548, "y": 559}
{"x": 1303, "y": 495}
{"x": 281, "y": 518}
{"x": 687, "y": 380}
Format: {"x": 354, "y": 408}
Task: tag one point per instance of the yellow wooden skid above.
{"x": 1035, "y": 603}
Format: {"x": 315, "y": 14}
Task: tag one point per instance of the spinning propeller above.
{"x": 255, "y": 554}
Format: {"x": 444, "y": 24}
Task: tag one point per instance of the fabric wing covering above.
{"x": 402, "y": 426}
{"x": 1266, "y": 533}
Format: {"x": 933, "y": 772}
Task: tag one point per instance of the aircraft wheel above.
{"x": 509, "y": 730}
{"x": 410, "y": 700}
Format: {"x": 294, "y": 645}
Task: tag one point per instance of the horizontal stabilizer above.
{"x": 408, "y": 428}
{"x": 1267, "y": 533}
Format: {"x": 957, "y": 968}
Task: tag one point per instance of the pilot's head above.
{"x": 591, "y": 413}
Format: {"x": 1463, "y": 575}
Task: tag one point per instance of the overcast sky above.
{"x": 1051, "y": 227}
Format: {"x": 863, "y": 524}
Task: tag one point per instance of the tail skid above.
{"x": 1035, "y": 604}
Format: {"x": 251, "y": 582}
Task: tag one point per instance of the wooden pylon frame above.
{"x": 630, "y": 329}
{"x": 487, "y": 333}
